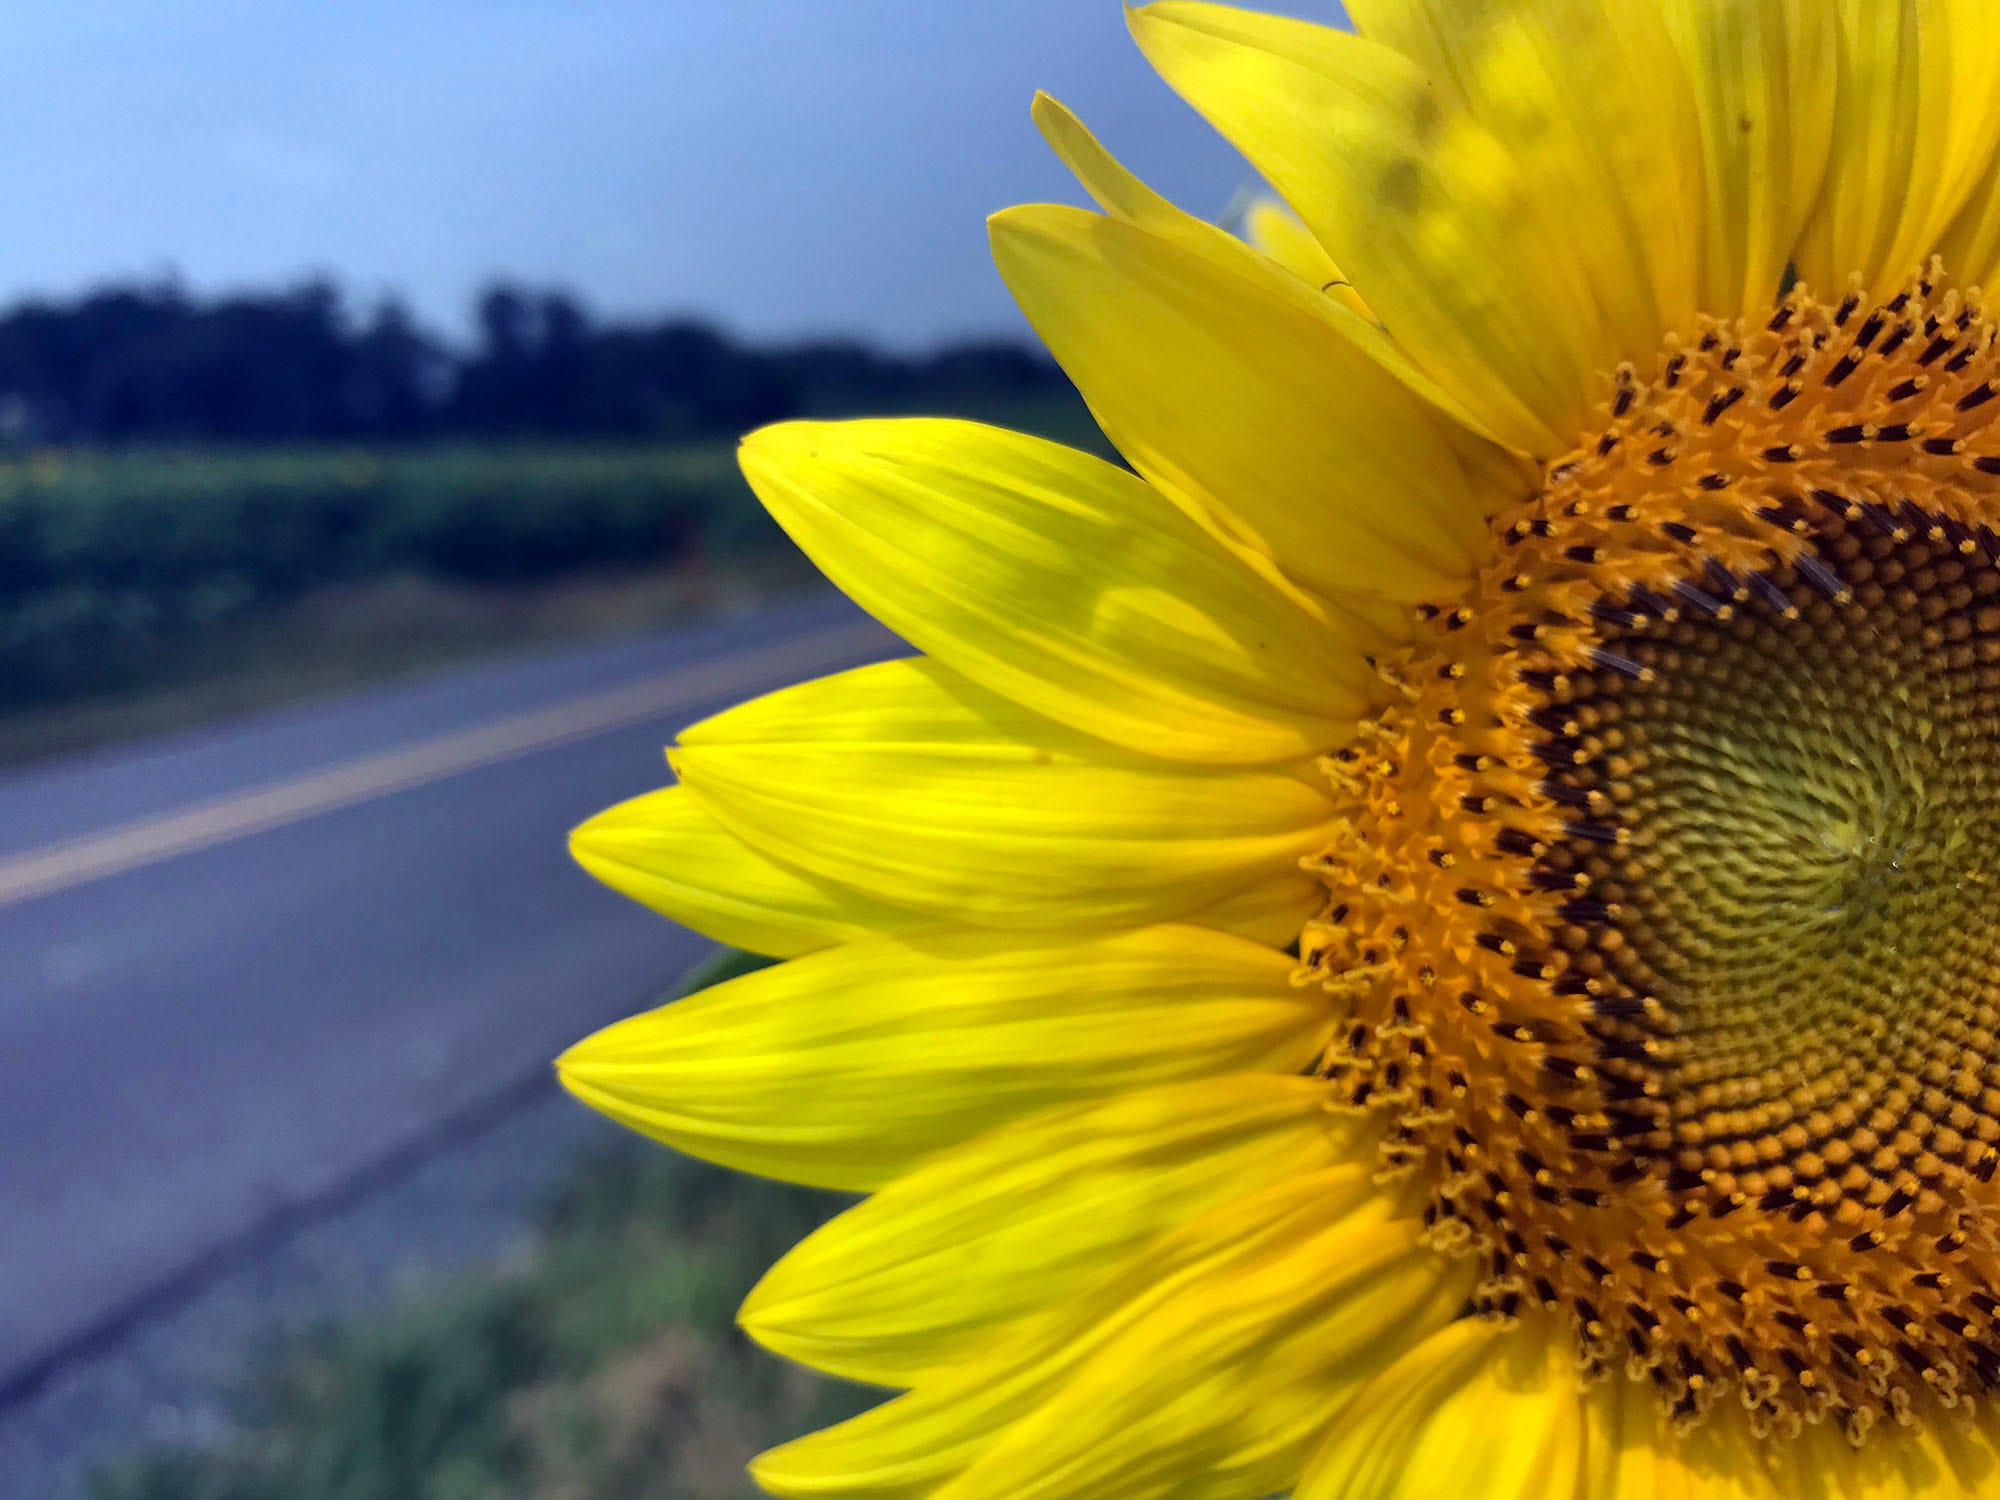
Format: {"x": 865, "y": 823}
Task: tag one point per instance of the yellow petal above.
{"x": 1117, "y": 190}
{"x": 1970, "y": 245}
{"x": 1202, "y": 1370}
{"x": 1121, "y": 194}
{"x": 662, "y": 850}
{"x": 1221, "y": 1393}
{"x": 1062, "y": 582}
{"x": 1916, "y": 116}
{"x": 848, "y": 1066}
{"x": 1478, "y": 1410}
{"x": 1272, "y": 912}
{"x": 1632, "y": 1455}
{"x": 1973, "y": 89}
{"x": 943, "y": 1261}
{"x": 1763, "y": 74}
{"x": 1576, "y": 93}
{"x": 1887, "y": 80}
{"x": 1281, "y": 234}
{"x": 1446, "y": 240}
{"x": 1248, "y": 412}
{"x": 909, "y": 783}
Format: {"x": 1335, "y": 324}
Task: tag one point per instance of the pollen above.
{"x": 1665, "y": 887}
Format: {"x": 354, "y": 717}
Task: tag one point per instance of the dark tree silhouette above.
{"x": 152, "y": 363}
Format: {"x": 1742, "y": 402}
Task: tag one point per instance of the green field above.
{"x": 107, "y": 561}
{"x": 145, "y": 589}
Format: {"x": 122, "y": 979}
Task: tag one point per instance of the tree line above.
{"x": 153, "y": 363}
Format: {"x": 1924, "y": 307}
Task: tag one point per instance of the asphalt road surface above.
{"x": 241, "y": 968}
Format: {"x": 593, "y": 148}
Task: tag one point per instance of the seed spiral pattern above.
{"x": 1664, "y": 899}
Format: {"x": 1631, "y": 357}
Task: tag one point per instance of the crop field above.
{"x": 114, "y": 565}
{"x": 145, "y": 589}
{"x": 107, "y": 562}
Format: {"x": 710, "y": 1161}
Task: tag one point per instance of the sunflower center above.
{"x": 1810, "y": 794}
{"x": 1663, "y": 895}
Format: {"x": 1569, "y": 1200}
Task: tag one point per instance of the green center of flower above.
{"x": 1810, "y": 795}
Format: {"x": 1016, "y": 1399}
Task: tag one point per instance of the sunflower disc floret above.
{"x": 1663, "y": 894}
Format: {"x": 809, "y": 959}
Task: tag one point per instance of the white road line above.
{"x": 203, "y": 825}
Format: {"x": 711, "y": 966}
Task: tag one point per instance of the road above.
{"x": 241, "y": 968}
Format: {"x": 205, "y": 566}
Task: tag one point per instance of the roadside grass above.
{"x": 349, "y": 636}
{"x": 604, "y": 1364}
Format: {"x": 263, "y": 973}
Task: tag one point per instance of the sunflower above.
{"x": 1434, "y": 936}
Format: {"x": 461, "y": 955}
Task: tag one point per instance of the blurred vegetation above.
{"x": 607, "y": 1368}
{"x": 106, "y": 559}
{"x": 113, "y": 562}
{"x": 604, "y": 1366}
{"x": 355, "y": 635}
{"x": 174, "y": 467}
{"x": 153, "y": 364}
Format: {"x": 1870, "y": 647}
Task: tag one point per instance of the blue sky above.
{"x": 785, "y": 165}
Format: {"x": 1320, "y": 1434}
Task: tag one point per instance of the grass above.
{"x": 604, "y": 1366}
{"x": 608, "y": 1367}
